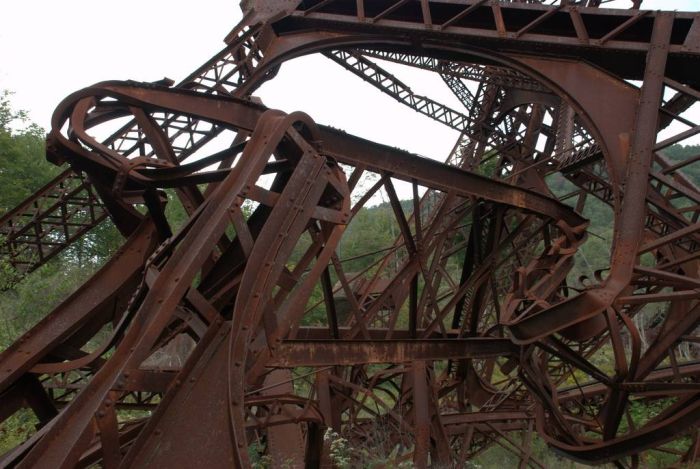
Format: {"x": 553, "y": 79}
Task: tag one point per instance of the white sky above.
{"x": 50, "y": 48}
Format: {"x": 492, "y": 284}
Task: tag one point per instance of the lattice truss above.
{"x": 245, "y": 333}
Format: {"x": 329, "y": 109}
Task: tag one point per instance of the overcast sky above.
{"x": 50, "y": 48}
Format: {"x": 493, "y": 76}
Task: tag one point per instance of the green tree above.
{"x": 23, "y": 166}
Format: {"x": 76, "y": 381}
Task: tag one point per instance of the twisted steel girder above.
{"x": 466, "y": 328}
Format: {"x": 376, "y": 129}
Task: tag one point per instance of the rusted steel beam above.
{"x": 294, "y": 353}
{"x": 385, "y": 81}
{"x": 108, "y": 290}
{"x": 472, "y": 21}
{"x": 354, "y": 150}
{"x": 49, "y": 221}
{"x": 468, "y": 325}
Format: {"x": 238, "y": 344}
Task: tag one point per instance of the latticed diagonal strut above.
{"x": 49, "y": 221}
{"x": 389, "y": 84}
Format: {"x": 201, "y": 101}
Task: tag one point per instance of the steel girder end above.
{"x": 259, "y": 12}
{"x": 267, "y": 10}
{"x": 53, "y": 152}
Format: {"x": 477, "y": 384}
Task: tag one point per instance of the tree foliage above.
{"x": 23, "y": 167}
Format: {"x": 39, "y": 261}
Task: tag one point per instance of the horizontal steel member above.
{"x": 350, "y": 352}
{"x": 599, "y": 39}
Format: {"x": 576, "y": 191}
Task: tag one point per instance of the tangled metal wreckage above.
{"x": 470, "y": 329}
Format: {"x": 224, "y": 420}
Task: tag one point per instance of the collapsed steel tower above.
{"x": 468, "y": 330}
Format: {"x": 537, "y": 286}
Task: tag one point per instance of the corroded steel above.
{"x": 49, "y": 221}
{"x": 245, "y": 332}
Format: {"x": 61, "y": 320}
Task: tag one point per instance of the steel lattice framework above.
{"x": 469, "y": 329}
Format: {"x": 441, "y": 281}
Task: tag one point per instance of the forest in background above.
{"x": 24, "y": 169}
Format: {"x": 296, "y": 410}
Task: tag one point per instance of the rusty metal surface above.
{"x": 49, "y": 221}
{"x": 245, "y": 333}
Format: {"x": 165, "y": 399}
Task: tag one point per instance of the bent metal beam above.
{"x": 245, "y": 333}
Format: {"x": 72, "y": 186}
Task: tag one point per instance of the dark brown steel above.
{"x": 468, "y": 329}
